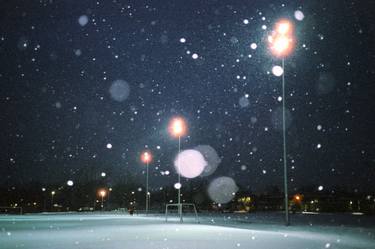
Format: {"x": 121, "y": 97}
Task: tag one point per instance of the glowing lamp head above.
{"x": 297, "y": 198}
{"x": 177, "y": 127}
{"x": 146, "y": 157}
{"x": 281, "y": 41}
{"x": 282, "y": 45}
{"x": 102, "y": 193}
{"x": 284, "y": 27}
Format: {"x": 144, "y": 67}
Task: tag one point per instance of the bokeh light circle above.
{"x": 212, "y": 158}
{"x": 119, "y": 90}
{"x": 222, "y": 190}
{"x": 190, "y": 163}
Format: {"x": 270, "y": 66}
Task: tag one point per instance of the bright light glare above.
{"x": 102, "y": 193}
{"x": 277, "y": 71}
{"x": 146, "y": 157}
{"x": 177, "y": 185}
{"x": 177, "y": 127}
{"x": 299, "y": 15}
{"x": 253, "y": 45}
{"x": 281, "y": 44}
{"x": 281, "y": 40}
{"x": 190, "y": 163}
{"x": 283, "y": 28}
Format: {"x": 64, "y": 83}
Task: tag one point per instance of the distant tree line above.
{"x": 37, "y": 197}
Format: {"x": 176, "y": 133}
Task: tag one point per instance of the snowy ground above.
{"x": 117, "y": 231}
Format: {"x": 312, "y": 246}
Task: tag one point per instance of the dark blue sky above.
{"x": 57, "y": 114}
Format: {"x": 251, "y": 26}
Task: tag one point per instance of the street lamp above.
{"x": 146, "y": 158}
{"x": 281, "y": 43}
{"x": 52, "y": 195}
{"x": 177, "y": 128}
{"x": 102, "y": 193}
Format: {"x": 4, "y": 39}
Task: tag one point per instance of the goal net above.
{"x": 10, "y": 210}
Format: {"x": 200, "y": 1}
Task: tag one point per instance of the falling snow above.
{"x": 86, "y": 88}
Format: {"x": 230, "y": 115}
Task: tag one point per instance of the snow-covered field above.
{"x": 115, "y": 231}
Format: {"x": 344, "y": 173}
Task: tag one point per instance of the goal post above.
{"x": 10, "y": 210}
{"x": 180, "y": 206}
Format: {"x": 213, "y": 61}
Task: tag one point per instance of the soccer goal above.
{"x": 10, "y": 210}
{"x": 180, "y": 208}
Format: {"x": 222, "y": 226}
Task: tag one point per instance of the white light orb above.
{"x": 177, "y": 185}
{"x": 119, "y": 90}
{"x": 319, "y": 127}
{"x": 83, "y": 20}
{"x": 277, "y": 71}
{"x": 320, "y": 188}
{"x": 70, "y": 183}
{"x": 58, "y": 105}
{"x": 109, "y": 146}
{"x": 103, "y": 174}
{"x": 299, "y": 15}
{"x": 182, "y": 40}
{"x": 253, "y": 120}
{"x": 222, "y": 190}
{"x": 194, "y": 56}
{"x": 78, "y": 52}
{"x": 244, "y": 102}
{"x": 253, "y": 45}
{"x": 246, "y": 21}
{"x": 190, "y": 163}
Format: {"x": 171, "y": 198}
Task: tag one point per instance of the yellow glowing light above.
{"x": 281, "y": 40}
{"x": 102, "y": 193}
{"x": 297, "y": 198}
{"x": 177, "y": 127}
{"x": 281, "y": 44}
{"x": 146, "y": 157}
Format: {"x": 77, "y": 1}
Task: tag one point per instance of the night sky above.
{"x": 59, "y": 60}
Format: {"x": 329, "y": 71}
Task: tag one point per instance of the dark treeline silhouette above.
{"x": 37, "y": 197}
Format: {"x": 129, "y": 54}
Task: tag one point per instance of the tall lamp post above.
{"x": 102, "y": 194}
{"x": 147, "y": 158}
{"x": 52, "y": 196}
{"x": 281, "y": 43}
{"x": 177, "y": 128}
